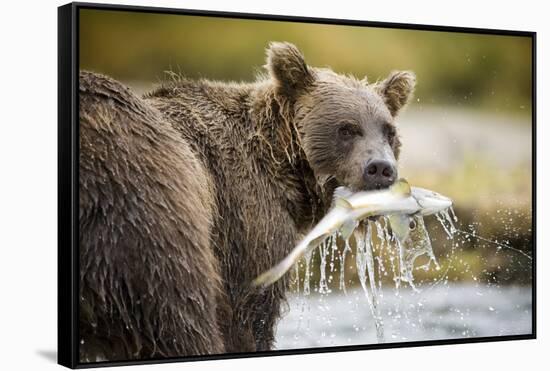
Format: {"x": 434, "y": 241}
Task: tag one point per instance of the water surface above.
{"x": 442, "y": 312}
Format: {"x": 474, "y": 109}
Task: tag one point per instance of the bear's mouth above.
{"x": 375, "y": 187}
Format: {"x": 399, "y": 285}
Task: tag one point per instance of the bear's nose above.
{"x": 379, "y": 174}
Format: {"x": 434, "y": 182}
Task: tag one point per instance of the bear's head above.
{"x": 346, "y": 126}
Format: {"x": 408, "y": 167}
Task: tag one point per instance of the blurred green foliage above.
{"x": 469, "y": 70}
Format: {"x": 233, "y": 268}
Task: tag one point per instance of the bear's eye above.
{"x": 348, "y": 131}
{"x": 390, "y": 132}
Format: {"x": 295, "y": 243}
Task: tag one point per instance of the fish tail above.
{"x": 274, "y": 274}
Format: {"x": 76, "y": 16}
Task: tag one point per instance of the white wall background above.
{"x": 28, "y": 181}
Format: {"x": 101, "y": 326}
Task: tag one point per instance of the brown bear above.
{"x": 190, "y": 192}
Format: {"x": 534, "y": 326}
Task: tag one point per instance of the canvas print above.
{"x": 250, "y": 185}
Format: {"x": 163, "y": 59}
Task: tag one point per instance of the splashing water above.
{"x": 394, "y": 257}
{"x": 452, "y": 213}
{"x": 446, "y": 222}
{"x": 307, "y": 276}
{"x": 380, "y": 233}
{"x": 347, "y": 248}
{"x": 297, "y": 277}
{"x": 333, "y": 251}
{"x": 498, "y": 244}
{"x": 365, "y": 266}
{"x": 323, "y": 253}
{"x": 380, "y": 254}
{"x": 376, "y": 294}
{"x": 448, "y": 218}
{"x": 402, "y": 257}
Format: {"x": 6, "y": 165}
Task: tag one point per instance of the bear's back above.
{"x": 145, "y": 215}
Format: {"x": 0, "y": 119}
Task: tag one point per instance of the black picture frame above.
{"x": 68, "y": 173}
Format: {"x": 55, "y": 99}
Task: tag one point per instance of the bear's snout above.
{"x": 379, "y": 174}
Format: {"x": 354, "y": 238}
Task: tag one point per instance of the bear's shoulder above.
{"x": 94, "y": 83}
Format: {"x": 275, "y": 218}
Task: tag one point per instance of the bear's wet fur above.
{"x": 190, "y": 192}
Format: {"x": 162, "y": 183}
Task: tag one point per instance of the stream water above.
{"x": 442, "y": 312}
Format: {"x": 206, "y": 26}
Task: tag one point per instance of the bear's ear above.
{"x": 287, "y": 67}
{"x": 396, "y": 90}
